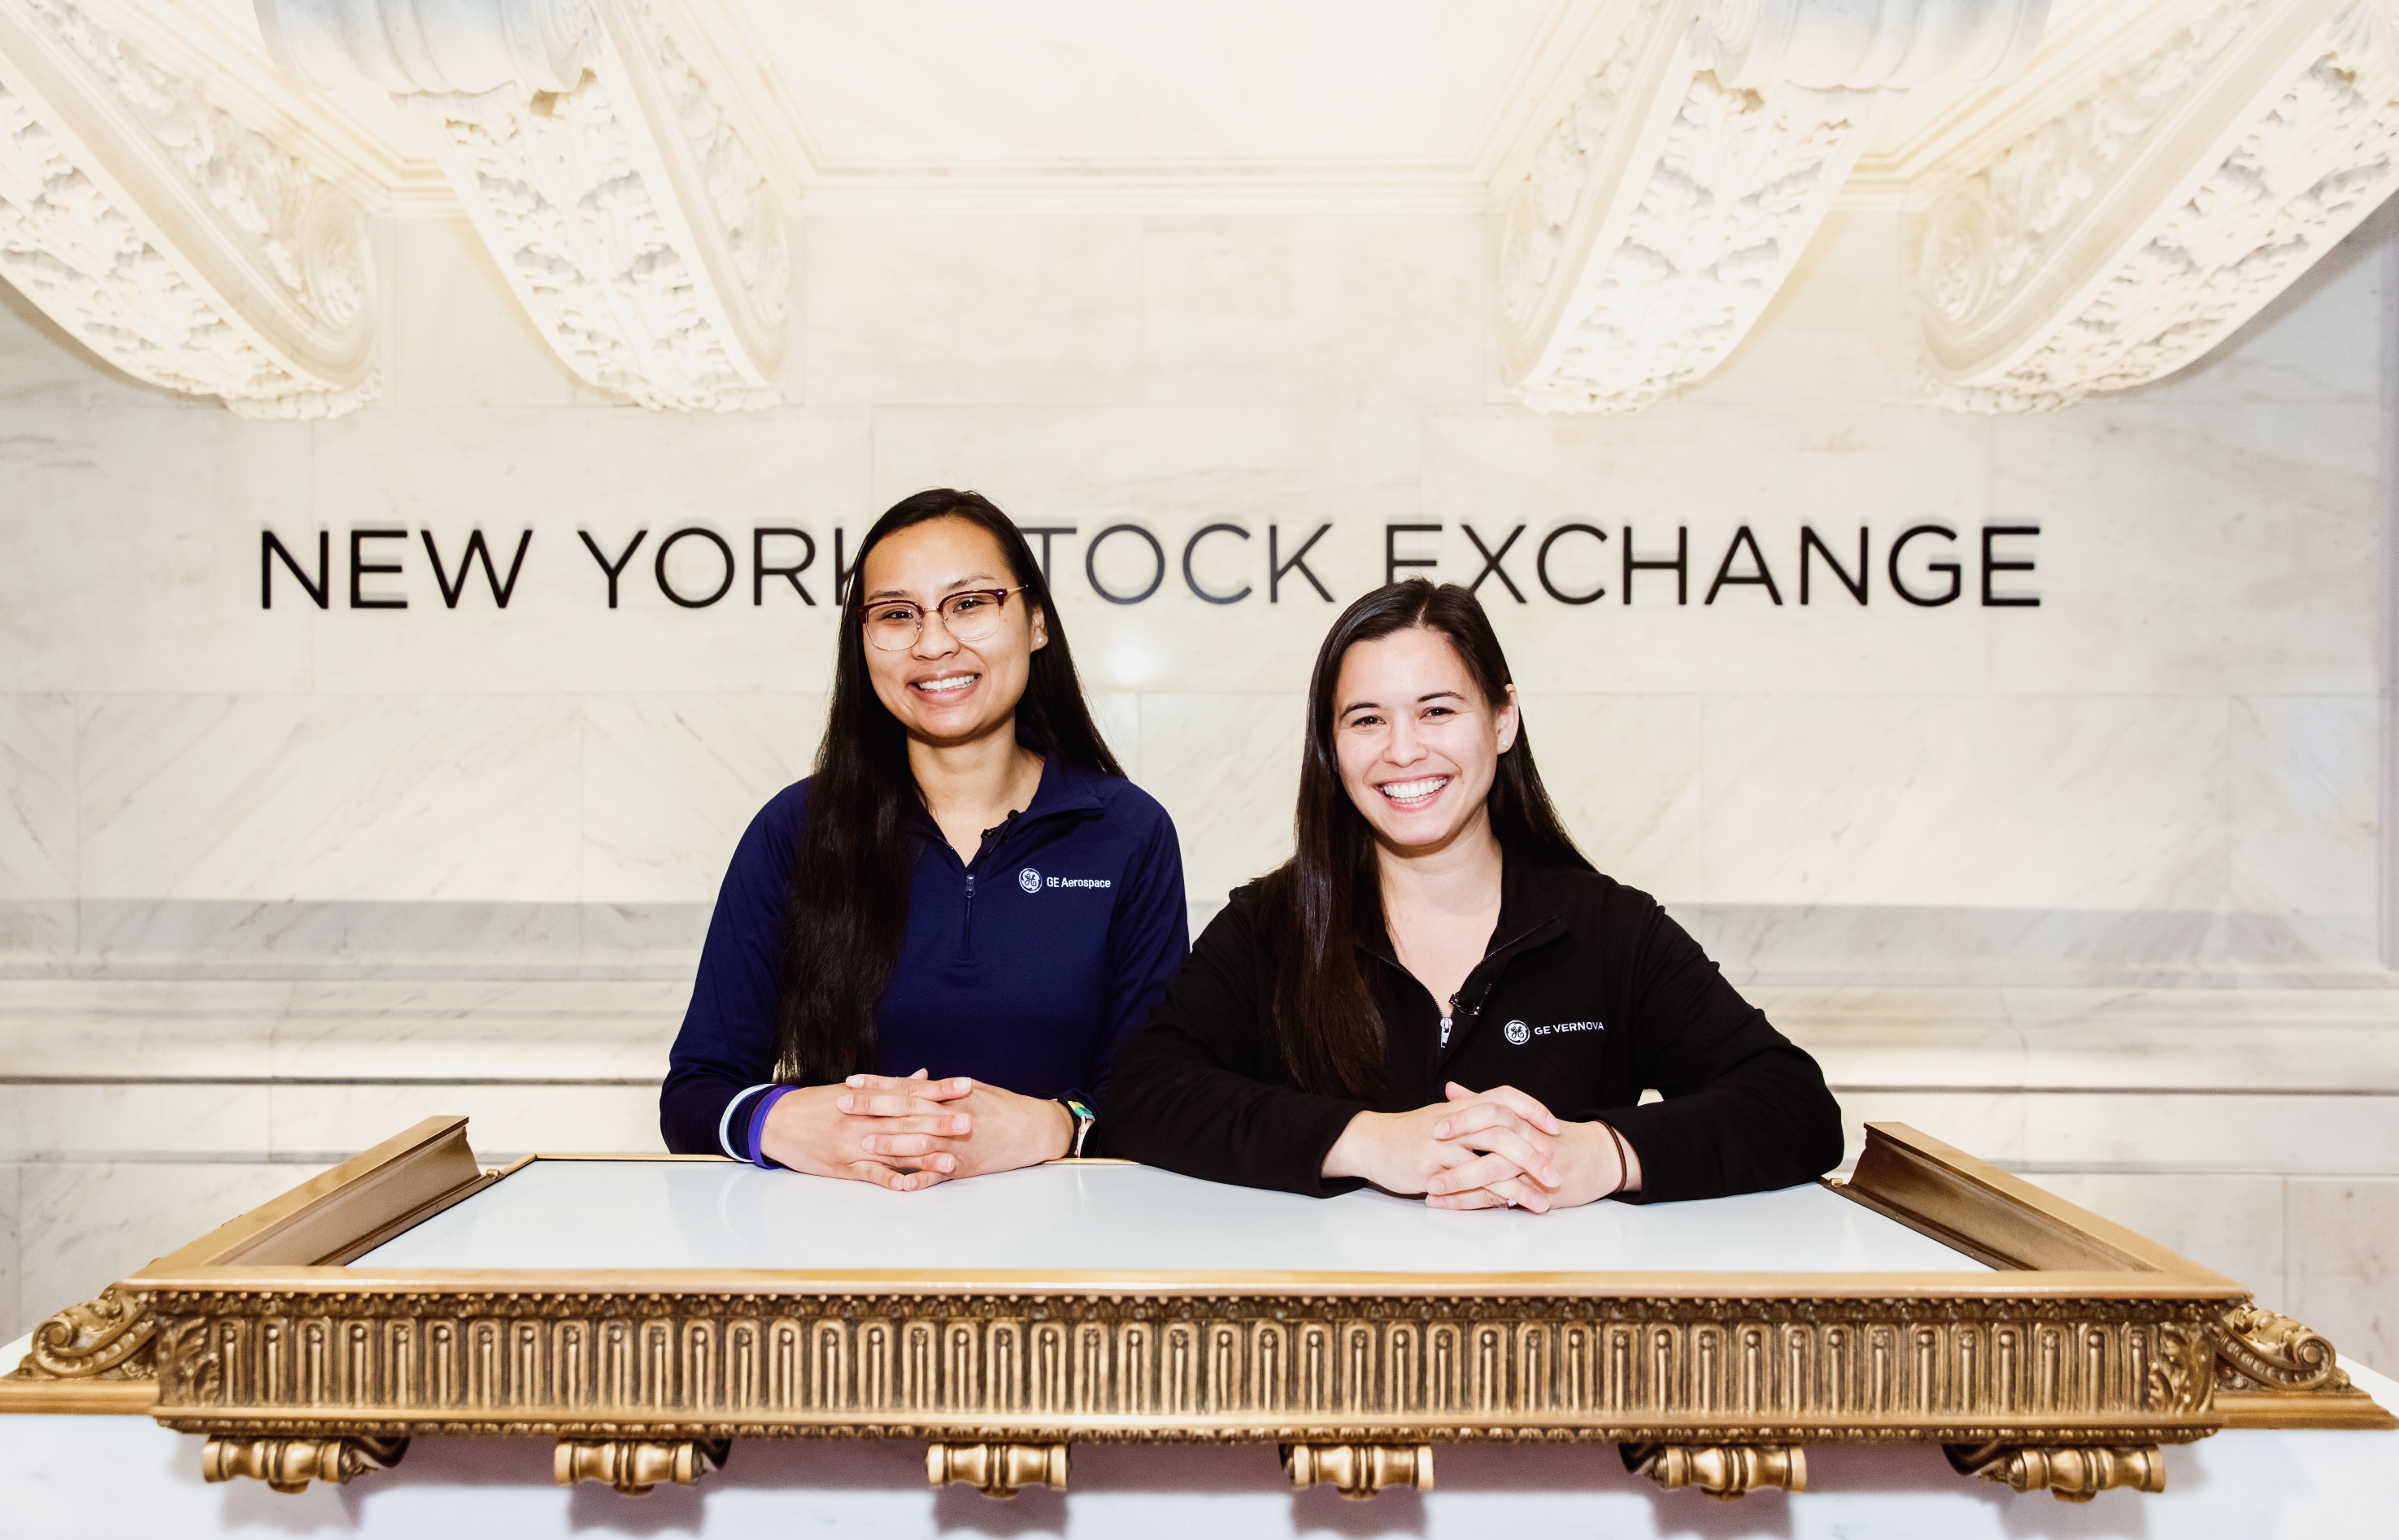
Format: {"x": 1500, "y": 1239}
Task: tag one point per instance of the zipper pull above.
{"x": 1446, "y": 1019}
{"x": 998, "y": 833}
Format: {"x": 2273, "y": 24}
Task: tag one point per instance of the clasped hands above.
{"x": 908, "y": 1134}
{"x": 1489, "y": 1149}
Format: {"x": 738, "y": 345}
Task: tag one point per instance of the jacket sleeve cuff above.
{"x": 1677, "y": 1157}
{"x": 1315, "y": 1141}
{"x": 752, "y": 1151}
{"x": 734, "y": 1128}
{"x": 1651, "y": 1131}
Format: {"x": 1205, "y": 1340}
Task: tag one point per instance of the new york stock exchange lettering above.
{"x": 1571, "y": 561}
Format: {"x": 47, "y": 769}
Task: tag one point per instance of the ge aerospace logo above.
{"x": 1029, "y": 879}
{"x": 1518, "y": 1034}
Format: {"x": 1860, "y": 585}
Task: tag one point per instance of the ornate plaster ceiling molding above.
{"x": 183, "y": 247}
{"x": 1669, "y": 204}
{"x": 2124, "y": 237}
{"x": 604, "y": 172}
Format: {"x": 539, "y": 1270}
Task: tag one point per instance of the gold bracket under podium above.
{"x": 2075, "y": 1473}
{"x": 634, "y": 1465}
{"x": 1359, "y": 1471}
{"x": 289, "y": 1464}
{"x": 996, "y": 1470}
{"x": 1724, "y": 1471}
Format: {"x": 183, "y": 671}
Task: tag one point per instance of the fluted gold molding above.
{"x": 1281, "y": 1367}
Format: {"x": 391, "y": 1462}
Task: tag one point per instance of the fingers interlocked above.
{"x": 1498, "y": 1149}
{"x": 906, "y": 1125}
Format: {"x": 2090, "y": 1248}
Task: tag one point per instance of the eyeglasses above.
{"x": 893, "y": 625}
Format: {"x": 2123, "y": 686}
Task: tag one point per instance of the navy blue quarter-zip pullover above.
{"x": 1025, "y": 967}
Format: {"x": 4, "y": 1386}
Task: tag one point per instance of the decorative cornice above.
{"x": 1759, "y": 43}
{"x": 611, "y": 183}
{"x": 1675, "y": 196}
{"x": 2129, "y": 233}
{"x": 183, "y": 247}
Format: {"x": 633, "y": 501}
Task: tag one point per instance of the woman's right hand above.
{"x": 1508, "y": 1146}
{"x": 825, "y": 1129}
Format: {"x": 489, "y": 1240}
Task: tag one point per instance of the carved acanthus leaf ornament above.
{"x": 2122, "y": 238}
{"x": 1668, "y": 205}
{"x": 601, "y": 168}
{"x": 181, "y": 246}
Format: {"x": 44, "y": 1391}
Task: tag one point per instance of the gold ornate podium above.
{"x": 2061, "y": 1353}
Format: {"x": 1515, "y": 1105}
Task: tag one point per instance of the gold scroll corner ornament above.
{"x": 101, "y": 1355}
{"x": 104, "y": 1338}
{"x": 2273, "y": 1371}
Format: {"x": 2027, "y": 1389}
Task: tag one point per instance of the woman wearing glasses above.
{"x": 1437, "y": 995}
{"x": 924, "y": 956}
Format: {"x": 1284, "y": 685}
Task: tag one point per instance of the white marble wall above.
{"x": 2088, "y": 887}
{"x": 2183, "y": 728}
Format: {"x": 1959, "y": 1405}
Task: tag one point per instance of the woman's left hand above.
{"x": 982, "y": 1127}
{"x": 1584, "y": 1156}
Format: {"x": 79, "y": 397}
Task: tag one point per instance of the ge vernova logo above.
{"x": 1519, "y": 1034}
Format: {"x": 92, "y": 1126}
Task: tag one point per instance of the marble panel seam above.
{"x": 1806, "y": 942}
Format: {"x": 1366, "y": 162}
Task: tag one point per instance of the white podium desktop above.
{"x": 1113, "y": 1217}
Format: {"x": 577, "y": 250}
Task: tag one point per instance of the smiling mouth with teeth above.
{"x": 1409, "y": 793}
{"x": 955, "y": 682}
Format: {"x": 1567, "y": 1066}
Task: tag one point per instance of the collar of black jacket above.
{"x": 1532, "y": 913}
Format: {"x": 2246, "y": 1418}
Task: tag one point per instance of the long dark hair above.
{"x": 848, "y": 905}
{"x": 1325, "y": 1020}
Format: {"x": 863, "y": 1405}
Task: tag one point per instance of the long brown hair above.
{"x": 848, "y": 906}
{"x": 1325, "y": 1020}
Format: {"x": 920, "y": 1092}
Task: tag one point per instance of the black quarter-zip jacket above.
{"x": 1587, "y": 995}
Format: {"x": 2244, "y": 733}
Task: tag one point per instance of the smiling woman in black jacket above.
{"x": 1438, "y": 994}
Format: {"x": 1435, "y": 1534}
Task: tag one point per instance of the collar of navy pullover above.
{"x": 1062, "y": 791}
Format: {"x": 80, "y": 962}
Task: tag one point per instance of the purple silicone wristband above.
{"x": 758, "y": 1125}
